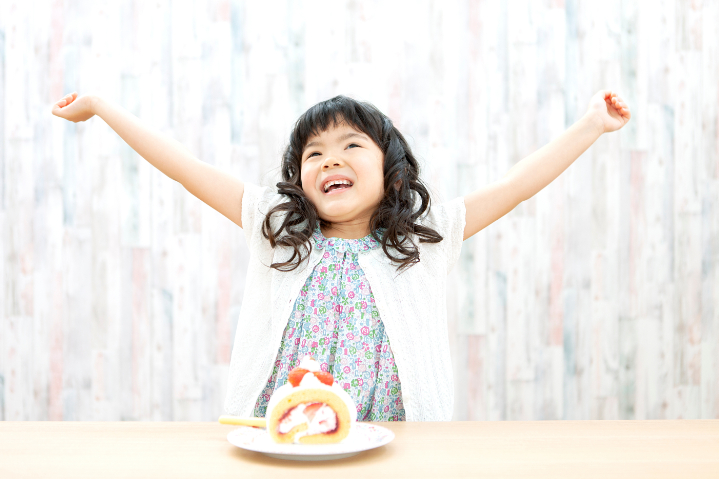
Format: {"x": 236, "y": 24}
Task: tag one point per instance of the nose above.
{"x": 331, "y": 162}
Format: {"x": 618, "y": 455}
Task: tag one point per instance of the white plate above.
{"x": 361, "y": 438}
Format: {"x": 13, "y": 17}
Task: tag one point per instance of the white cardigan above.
{"x": 412, "y": 306}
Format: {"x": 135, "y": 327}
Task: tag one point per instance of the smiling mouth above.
{"x": 337, "y": 185}
{"x": 335, "y": 189}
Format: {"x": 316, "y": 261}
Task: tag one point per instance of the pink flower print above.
{"x": 346, "y": 386}
{"x": 297, "y": 341}
{"x": 346, "y": 370}
{"x": 303, "y": 293}
{"x": 324, "y": 367}
{"x": 338, "y": 308}
{"x": 360, "y": 381}
{"x": 394, "y": 377}
{"x": 351, "y": 294}
{"x": 378, "y": 348}
{"x": 350, "y": 336}
{"x": 277, "y": 363}
{"x": 364, "y": 304}
{"x": 334, "y": 290}
{"x": 315, "y": 328}
{"x": 320, "y": 296}
{"x": 359, "y": 407}
{"x": 314, "y": 344}
{"x": 365, "y": 330}
{"x": 386, "y": 408}
{"x": 266, "y": 397}
{"x": 324, "y": 269}
{"x": 326, "y": 255}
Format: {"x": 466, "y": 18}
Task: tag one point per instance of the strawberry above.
{"x": 324, "y": 377}
{"x": 296, "y": 375}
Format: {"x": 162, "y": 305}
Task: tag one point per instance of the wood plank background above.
{"x": 596, "y": 299}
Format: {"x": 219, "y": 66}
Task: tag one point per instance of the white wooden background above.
{"x": 596, "y": 299}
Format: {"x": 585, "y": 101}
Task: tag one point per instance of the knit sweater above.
{"x": 412, "y": 305}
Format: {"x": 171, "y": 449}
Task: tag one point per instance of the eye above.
{"x": 317, "y": 153}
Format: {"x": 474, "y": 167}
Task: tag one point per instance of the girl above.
{"x": 349, "y": 258}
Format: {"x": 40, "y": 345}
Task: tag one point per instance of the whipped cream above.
{"x": 324, "y": 420}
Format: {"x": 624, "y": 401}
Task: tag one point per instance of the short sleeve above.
{"x": 448, "y": 219}
{"x": 256, "y": 202}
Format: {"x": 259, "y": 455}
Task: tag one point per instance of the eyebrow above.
{"x": 340, "y": 139}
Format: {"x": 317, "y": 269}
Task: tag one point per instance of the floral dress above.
{"x": 336, "y": 321}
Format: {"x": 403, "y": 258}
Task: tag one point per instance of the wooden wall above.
{"x": 596, "y": 299}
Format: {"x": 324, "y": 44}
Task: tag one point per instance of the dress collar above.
{"x": 341, "y": 245}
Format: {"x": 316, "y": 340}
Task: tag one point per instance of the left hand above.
{"x": 609, "y": 109}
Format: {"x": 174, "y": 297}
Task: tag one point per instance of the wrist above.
{"x": 596, "y": 122}
{"x": 95, "y": 104}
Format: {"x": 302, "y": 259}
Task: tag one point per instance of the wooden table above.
{"x": 556, "y": 449}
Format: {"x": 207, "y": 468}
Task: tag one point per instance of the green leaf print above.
{"x": 322, "y": 310}
{"x": 393, "y": 391}
{"x": 368, "y": 355}
{"x": 355, "y": 383}
{"x": 353, "y": 350}
{"x": 300, "y": 307}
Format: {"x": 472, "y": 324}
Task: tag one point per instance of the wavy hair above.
{"x": 405, "y": 198}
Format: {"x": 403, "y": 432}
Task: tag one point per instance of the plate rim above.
{"x": 311, "y": 451}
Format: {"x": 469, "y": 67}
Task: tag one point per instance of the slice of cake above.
{"x": 311, "y": 408}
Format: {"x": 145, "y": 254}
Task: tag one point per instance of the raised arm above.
{"x": 218, "y": 189}
{"x": 607, "y": 112}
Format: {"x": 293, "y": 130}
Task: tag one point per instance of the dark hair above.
{"x": 399, "y": 209}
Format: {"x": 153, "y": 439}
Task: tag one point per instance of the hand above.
{"x": 609, "y": 110}
{"x": 75, "y": 109}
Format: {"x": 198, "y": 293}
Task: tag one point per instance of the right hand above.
{"x": 75, "y": 109}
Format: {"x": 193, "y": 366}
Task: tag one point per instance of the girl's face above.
{"x": 342, "y": 174}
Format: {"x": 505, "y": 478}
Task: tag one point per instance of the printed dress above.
{"x": 336, "y": 321}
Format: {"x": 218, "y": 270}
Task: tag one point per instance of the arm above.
{"x": 533, "y": 173}
{"x": 218, "y": 189}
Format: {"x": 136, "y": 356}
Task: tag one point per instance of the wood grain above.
{"x": 595, "y": 299}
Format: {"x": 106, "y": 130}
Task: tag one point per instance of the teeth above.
{"x": 337, "y": 182}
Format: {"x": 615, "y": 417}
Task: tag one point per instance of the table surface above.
{"x": 556, "y": 449}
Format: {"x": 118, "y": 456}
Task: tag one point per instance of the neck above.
{"x": 347, "y": 230}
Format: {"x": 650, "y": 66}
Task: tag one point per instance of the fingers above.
{"x": 67, "y": 99}
{"x": 618, "y": 103}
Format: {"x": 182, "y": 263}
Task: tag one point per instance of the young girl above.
{"x": 349, "y": 258}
